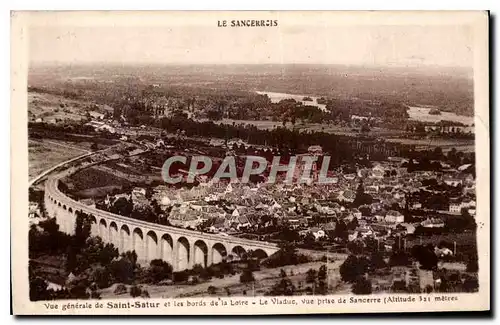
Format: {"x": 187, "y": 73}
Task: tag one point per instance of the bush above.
{"x": 101, "y": 277}
{"x": 94, "y": 294}
{"x": 311, "y": 276}
{"x": 399, "y": 286}
{"x": 353, "y": 267}
{"x": 377, "y": 261}
{"x": 122, "y": 270}
{"x": 181, "y": 276}
{"x": 470, "y": 284}
{"x": 212, "y": 290}
{"x": 247, "y": 276}
{"x": 472, "y": 265}
{"x": 253, "y": 265}
{"x": 399, "y": 258}
{"x": 284, "y": 287}
{"x": 425, "y": 256}
{"x": 158, "y": 270}
{"x": 362, "y": 286}
{"x": 355, "y": 247}
{"x": 135, "y": 291}
{"x": 120, "y": 289}
{"x": 322, "y": 287}
{"x": 197, "y": 269}
{"x": 287, "y": 255}
{"x": 206, "y": 274}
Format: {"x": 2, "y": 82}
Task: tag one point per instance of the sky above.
{"x": 398, "y": 45}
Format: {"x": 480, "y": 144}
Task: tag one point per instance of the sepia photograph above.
{"x": 250, "y": 162}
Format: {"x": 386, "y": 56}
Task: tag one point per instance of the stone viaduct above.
{"x": 181, "y": 248}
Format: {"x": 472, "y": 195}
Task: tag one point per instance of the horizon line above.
{"x": 361, "y": 65}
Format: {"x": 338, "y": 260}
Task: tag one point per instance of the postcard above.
{"x": 249, "y": 162}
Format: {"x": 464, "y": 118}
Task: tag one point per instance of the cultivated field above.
{"x": 44, "y": 154}
{"x": 50, "y": 108}
{"x": 464, "y": 145}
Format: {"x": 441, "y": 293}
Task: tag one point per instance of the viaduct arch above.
{"x": 181, "y": 248}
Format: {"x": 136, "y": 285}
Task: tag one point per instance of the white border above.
{"x": 215, "y": 4}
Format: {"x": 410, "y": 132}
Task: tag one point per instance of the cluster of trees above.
{"x": 80, "y": 253}
{"x": 245, "y": 265}
{"x": 443, "y": 129}
{"x": 454, "y": 281}
{"x": 46, "y": 238}
{"x": 361, "y": 197}
{"x": 341, "y": 148}
{"x": 247, "y": 274}
{"x": 425, "y": 256}
{"x": 207, "y": 103}
{"x": 428, "y": 160}
{"x": 278, "y": 137}
{"x": 219, "y": 270}
{"x": 290, "y": 110}
{"x": 343, "y": 109}
{"x": 150, "y": 213}
{"x": 35, "y": 195}
{"x": 400, "y": 257}
{"x": 287, "y": 255}
{"x": 355, "y": 268}
{"x": 318, "y": 280}
{"x": 90, "y": 264}
{"x": 140, "y": 104}
{"x": 60, "y": 128}
{"x": 284, "y": 286}
{"x": 70, "y": 132}
{"x": 95, "y": 265}
{"x": 39, "y": 289}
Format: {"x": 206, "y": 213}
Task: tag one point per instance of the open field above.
{"x": 422, "y": 114}
{"x": 43, "y": 154}
{"x": 264, "y": 280}
{"x": 465, "y": 145}
{"x": 51, "y": 107}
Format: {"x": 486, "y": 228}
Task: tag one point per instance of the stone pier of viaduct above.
{"x": 181, "y": 248}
